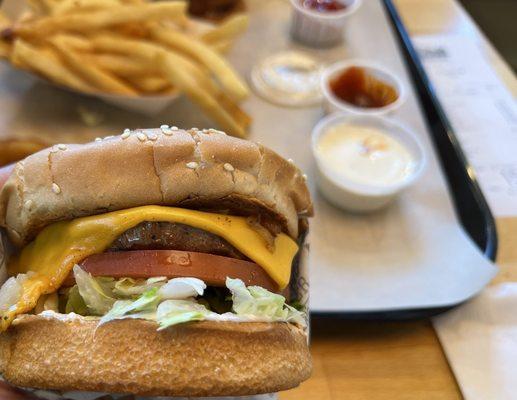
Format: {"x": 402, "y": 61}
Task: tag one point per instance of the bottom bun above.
{"x": 130, "y": 356}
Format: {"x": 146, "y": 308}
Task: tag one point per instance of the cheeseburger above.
{"x": 160, "y": 262}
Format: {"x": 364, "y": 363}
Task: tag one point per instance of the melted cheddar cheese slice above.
{"x": 52, "y": 255}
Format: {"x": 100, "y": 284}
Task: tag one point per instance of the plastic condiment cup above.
{"x": 319, "y": 28}
{"x": 355, "y": 196}
{"x": 333, "y": 104}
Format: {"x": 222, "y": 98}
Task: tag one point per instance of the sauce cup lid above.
{"x": 289, "y": 78}
{"x": 390, "y": 127}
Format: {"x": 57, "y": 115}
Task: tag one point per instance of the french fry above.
{"x": 89, "y": 21}
{"x": 177, "y": 70}
{"x": 242, "y": 118}
{"x": 134, "y": 31}
{"x": 101, "y": 79}
{"x": 204, "y": 79}
{"x": 146, "y": 53}
{"x": 5, "y": 47}
{"x": 47, "y": 64}
{"x": 237, "y": 88}
{"x": 228, "y": 30}
{"x": 5, "y": 22}
{"x": 68, "y": 6}
{"x": 43, "y": 7}
{"x": 222, "y": 46}
{"x": 74, "y": 41}
{"x": 187, "y": 84}
{"x": 123, "y": 65}
{"x": 149, "y": 84}
{"x": 112, "y": 43}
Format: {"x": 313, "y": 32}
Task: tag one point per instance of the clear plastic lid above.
{"x": 289, "y": 79}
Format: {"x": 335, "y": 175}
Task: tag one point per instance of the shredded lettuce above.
{"x": 295, "y": 316}
{"x": 146, "y": 303}
{"x": 173, "y": 312}
{"x": 177, "y": 288}
{"x": 176, "y": 301}
{"x": 182, "y": 288}
{"x": 75, "y": 303}
{"x": 259, "y": 302}
{"x": 11, "y": 291}
{"x": 169, "y": 312}
{"x": 131, "y": 287}
{"x": 95, "y": 292}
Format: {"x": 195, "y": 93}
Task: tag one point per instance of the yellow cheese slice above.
{"x": 52, "y": 255}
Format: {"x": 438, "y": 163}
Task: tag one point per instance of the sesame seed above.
{"x": 29, "y": 203}
{"x": 304, "y": 176}
{"x": 290, "y": 161}
{"x": 162, "y": 127}
{"x": 192, "y": 165}
{"x": 55, "y": 188}
{"x": 211, "y": 130}
{"x": 127, "y": 130}
{"x": 61, "y": 146}
{"x": 141, "y": 136}
{"x": 98, "y": 139}
{"x": 194, "y": 129}
{"x": 228, "y": 167}
{"x": 167, "y": 131}
{"x": 174, "y": 128}
{"x": 152, "y": 136}
{"x": 205, "y": 131}
{"x": 108, "y": 137}
{"x": 126, "y": 134}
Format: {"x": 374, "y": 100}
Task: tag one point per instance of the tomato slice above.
{"x": 210, "y": 268}
{"x": 5, "y": 172}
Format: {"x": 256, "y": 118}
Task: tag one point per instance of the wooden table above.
{"x": 400, "y": 360}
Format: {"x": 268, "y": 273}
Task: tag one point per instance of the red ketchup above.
{"x": 323, "y": 5}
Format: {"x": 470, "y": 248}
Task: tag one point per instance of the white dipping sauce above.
{"x": 365, "y": 155}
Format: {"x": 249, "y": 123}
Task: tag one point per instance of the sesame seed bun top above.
{"x": 167, "y": 166}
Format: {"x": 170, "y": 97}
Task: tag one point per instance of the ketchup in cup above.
{"x": 324, "y": 5}
{"x": 361, "y": 89}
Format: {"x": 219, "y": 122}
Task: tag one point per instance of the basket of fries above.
{"x": 136, "y": 54}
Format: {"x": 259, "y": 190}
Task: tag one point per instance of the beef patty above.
{"x": 173, "y": 236}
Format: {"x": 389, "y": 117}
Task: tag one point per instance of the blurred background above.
{"x": 497, "y": 19}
